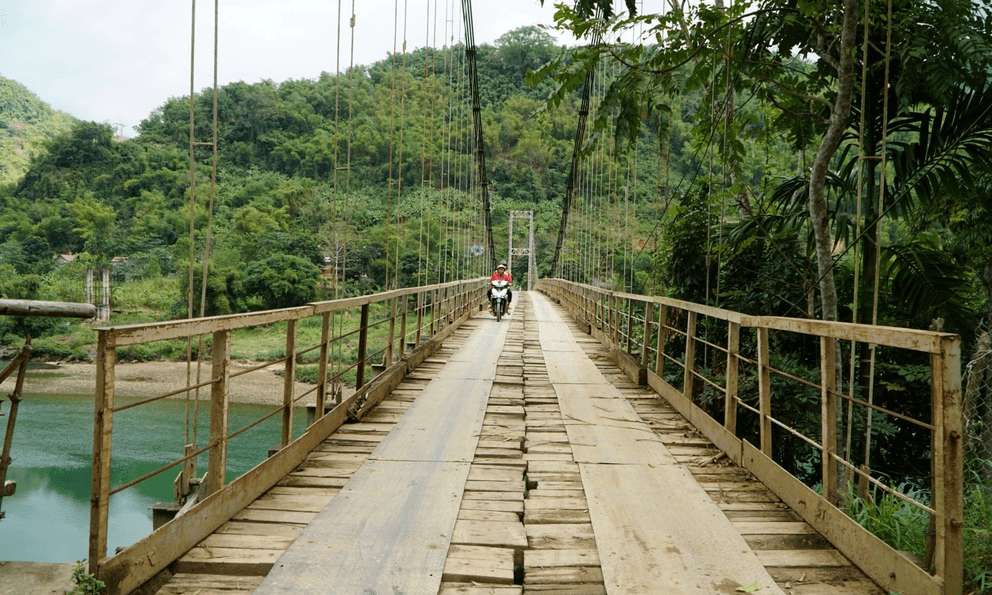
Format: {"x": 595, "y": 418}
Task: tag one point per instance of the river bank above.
{"x": 148, "y": 379}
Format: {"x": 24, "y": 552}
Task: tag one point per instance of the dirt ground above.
{"x": 147, "y": 379}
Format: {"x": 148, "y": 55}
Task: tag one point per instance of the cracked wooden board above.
{"x": 639, "y": 518}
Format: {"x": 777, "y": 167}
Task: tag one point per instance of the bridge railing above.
{"x": 764, "y": 390}
{"x": 392, "y": 332}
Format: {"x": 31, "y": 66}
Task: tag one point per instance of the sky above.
{"x": 116, "y": 61}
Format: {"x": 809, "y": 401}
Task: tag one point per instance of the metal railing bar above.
{"x": 162, "y": 396}
{"x": 168, "y": 466}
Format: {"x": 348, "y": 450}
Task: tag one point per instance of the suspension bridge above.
{"x": 564, "y": 450}
{"x": 594, "y": 442}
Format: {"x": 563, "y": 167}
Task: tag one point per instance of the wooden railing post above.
{"x": 646, "y": 338}
{"x": 630, "y": 324}
{"x": 289, "y": 385}
{"x": 421, "y": 298}
{"x": 587, "y": 305}
{"x": 434, "y": 312}
{"x": 591, "y": 303}
{"x": 103, "y": 424}
{"x": 19, "y": 363}
{"x": 828, "y": 416}
{"x": 733, "y": 368}
{"x": 764, "y": 391}
{"x": 615, "y": 319}
{"x": 387, "y": 357}
{"x": 219, "y": 397}
{"x": 948, "y": 457}
{"x": 689, "y": 379}
{"x": 363, "y": 342}
{"x": 608, "y": 315}
{"x": 659, "y": 363}
{"x": 406, "y": 307}
{"x": 325, "y": 348}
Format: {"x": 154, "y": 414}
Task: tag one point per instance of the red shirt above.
{"x": 504, "y": 277}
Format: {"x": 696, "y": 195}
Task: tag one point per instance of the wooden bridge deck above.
{"x": 551, "y": 474}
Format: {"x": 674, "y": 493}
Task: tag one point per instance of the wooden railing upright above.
{"x": 650, "y": 337}
{"x": 368, "y": 321}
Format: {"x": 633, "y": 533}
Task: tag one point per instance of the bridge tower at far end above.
{"x": 528, "y": 251}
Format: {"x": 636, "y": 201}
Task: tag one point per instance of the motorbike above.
{"x": 497, "y": 298}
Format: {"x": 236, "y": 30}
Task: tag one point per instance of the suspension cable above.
{"x": 573, "y": 172}
{"x": 878, "y": 223}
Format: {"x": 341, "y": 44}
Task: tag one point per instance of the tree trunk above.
{"x": 839, "y": 113}
{"x": 819, "y": 218}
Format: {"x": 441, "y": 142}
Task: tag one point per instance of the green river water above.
{"x": 47, "y": 519}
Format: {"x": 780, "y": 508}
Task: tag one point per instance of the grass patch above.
{"x": 894, "y": 521}
{"x": 978, "y": 535}
{"x": 904, "y": 526}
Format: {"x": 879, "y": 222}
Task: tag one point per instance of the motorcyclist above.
{"x": 501, "y": 274}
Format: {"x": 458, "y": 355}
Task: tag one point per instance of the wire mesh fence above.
{"x": 978, "y": 410}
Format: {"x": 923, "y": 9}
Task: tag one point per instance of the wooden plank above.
{"x": 302, "y": 492}
{"x": 591, "y": 403}
{"x": 639, "y": 513}
{"x": 470, "y": 563}
{"x": 306, "y": 480}
{"x": 209, "y": 584}
{"x": 560, "y": 557}
{"x": 549, "y": 456}
{"x": 802, "y": 558}
{"x": 286, "y": 530}
{"x": 514, "y": 506}
{"x": 502, "y": 534}
{"x": 248, "y": 542}
{"x": 787, "y": 542}
{"x": 273, "y": 516}
{"x": 454, "y": 588}
{"x": 564, "y": 536}
{"x": 890, "y": 569}
{"x": 570, "y": 367}
{"x": 494, "y": 473}
{"x": 537, "y": 493}
{"x": 495, "y": 496}
{"x": 493, "y": 486}
{"x": 917, "y": 340}
{"x": 773, "y": 528}
{"x": 556, "y": 517}
{"x": 566, "y": 575}
{"x": 313, "y": 503}
{"x": 556, "y": 504}
{"x": 415, "y": 436}
{"x": 219, "y": 560}
{"x": 567, "y": 589}
{"x": 43, "y": 308}
{"x": 552, "y": 467}
{"x": 496, "y": 516}
{"x": 387, "y": 530}
{"x": 634, "y": 443}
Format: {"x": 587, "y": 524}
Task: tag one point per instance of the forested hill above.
{"x": 320, "y": 169}
{"x": 308, "y": 170}
{"x": 26, "y": 123}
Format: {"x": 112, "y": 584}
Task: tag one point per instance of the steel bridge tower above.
{"x": 528, "y": 251}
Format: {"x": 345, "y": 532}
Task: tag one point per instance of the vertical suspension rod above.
{"x": 573, "y": 172}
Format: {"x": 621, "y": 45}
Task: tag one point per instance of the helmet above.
{"x": 502, "y": 263}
